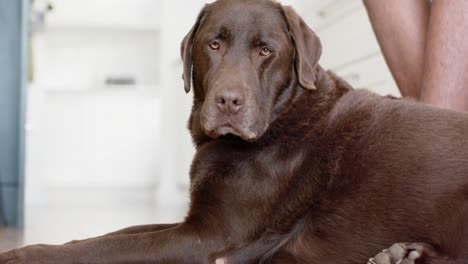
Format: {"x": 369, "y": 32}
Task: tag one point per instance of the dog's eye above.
{"x": 265, "y": 52}
{"x": 214, "y": 45}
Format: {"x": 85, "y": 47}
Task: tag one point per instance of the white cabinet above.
{"x": 371, "y": 73}
{"x": 348, "y": 41}
{"x": 120, "y": 14}
{"x": 349, "y": 44}
{"x": 98, "y": 141}
{"x": 321, "y": 13}
{"x": 86, "y": 43}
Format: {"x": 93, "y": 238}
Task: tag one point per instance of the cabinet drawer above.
{"x": 348, "y": 40}
{"x": 371, "y": 73}
{"x": 320, "y": 13}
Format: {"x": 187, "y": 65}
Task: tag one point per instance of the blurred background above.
{"x": 101, "y": 142}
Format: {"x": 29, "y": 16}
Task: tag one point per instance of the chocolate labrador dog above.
{"x": 293, "y": 165}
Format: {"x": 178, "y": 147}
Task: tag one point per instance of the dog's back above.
{"x": 398, "y": 171}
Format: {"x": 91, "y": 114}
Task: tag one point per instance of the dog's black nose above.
{"x": 229, "y": 102}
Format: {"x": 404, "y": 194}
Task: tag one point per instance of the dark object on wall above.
{"x": 120, "y": 80}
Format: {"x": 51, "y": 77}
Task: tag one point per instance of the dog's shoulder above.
{"x": 354, "y": 102}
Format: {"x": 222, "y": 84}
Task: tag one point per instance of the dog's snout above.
{"x": 229, "y": 102}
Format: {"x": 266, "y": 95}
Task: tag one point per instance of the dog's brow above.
{"x": 223, "y": 33}
{"x": 257, "y": 39}
{"x": 262, "y": 39}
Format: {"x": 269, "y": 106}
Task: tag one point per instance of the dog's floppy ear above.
{"x": 186, "y": 50}
{"x": 307, "y": 48}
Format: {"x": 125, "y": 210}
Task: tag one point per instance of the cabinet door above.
{"x": 119, "y": 14}
{"x": 13, "y": 43}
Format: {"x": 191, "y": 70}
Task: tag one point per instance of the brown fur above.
{"x": 338, "y": 175}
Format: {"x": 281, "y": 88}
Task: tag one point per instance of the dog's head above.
{"x": 246, "y": 56}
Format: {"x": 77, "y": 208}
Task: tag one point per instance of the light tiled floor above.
{"x": 57, "y": 224}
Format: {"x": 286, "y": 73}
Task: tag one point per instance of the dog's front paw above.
{"x": 31, "y": 255}
{"x": 403, "y": 253}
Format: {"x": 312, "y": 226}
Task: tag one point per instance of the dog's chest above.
{"x": 253, "y": 172}
{"x": 228, "y": 161}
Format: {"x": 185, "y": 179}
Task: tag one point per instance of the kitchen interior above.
{"x": 106, "y": 139}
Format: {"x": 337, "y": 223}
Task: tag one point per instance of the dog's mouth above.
{"x": 244, "y": 125}
{"x": 227, "y": 129}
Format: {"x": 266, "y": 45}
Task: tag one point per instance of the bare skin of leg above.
{"x": 425, "y": 47}
{"x": 445, "y": 79}
{"x": 401, "y": 30}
